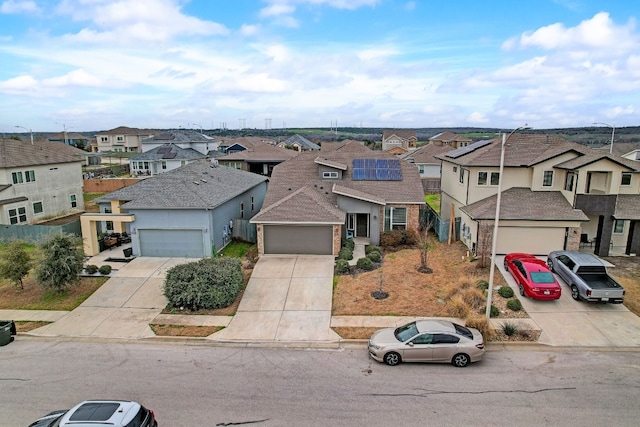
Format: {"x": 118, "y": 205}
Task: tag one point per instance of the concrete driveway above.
{"x": 287, "y": 299}
{"x": 566, "y": 322}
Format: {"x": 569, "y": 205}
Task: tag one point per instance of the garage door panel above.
{"x": 538, "y": 241}
{"x": 288, "y": 239}
{"x": 171, "y": 243}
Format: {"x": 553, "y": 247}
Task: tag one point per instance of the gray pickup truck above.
{"x": 586, "y": 275}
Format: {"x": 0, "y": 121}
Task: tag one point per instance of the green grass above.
{"x": 433, "y": 200}
{"x": 236, "y": 249}
{"x": 30, "y": 248}
{"x": 90, "y": 196}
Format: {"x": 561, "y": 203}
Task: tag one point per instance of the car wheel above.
{"x": 392, "y": 359}
{"x": 574, "y": 293}
{"x": 550, "y": 264}
{"x": 460, "y": 360}
{"x": 521, "y": 289}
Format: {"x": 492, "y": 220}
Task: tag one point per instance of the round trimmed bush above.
{"x": 91, "y": 269}
{"x": 514, "y": 304}
{"x": 364, "y": 264}
{"x": 348, "y": 243}
{"x": 483, "y": 285}
{"x": 371, "y": 248}
{"x": 374, "y": 256}
{"x": 345, "y": 253}
{"x": 105, "y": 269}
{"x": 205, "y": 284}
{"x": 495, "y": 311}
{"x": 342, "y": 266}
{"x": 505, "y": 292}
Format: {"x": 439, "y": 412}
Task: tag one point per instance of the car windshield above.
{"x": 403, "y": 333}
{"x": 461, "y": 330}
{"x": 542, "y": 277}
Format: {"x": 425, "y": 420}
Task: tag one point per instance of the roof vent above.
{"x": 203, "y": 180}
{"x": 196, "y": 182}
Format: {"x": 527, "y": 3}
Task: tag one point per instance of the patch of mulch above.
{"x": 183, "y": 330}
{"x": 501, "y": 302}
{"x": 26, "y": 326}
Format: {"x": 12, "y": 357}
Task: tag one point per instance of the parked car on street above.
{"x": 118, "y": 413}
{"x": 586, "y": 276}
{"x": 532, "y": 276}
{"x": 427, "y": 341}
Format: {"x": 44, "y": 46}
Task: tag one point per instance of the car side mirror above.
{"x": 410, "y": 343}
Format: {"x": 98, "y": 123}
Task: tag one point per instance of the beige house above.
{"x": 556, "y": 194}
{"x": 451, "y": 139}
{"x": 398, "y": 141}
{"x": 122, "y": 139}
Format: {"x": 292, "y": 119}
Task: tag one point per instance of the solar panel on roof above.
{"x": 370, "y": 163}
{"x": 376, "y": 170}
{"x": 164, "y": 150}
{"x": 169, "y": 155}
{"x": 394, "y": 164}
{"x": 458, "y": 152}
{"x": 358, "y": 163}
{"x": 382, "y": 163}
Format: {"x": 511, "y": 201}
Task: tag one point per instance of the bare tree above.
{"x": 423, "y": 245}
{"x": 483, "y": 248}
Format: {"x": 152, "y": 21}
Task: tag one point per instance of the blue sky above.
{"x": 98, "y": 64}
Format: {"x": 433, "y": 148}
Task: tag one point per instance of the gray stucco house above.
{"x": 186, "y": 212}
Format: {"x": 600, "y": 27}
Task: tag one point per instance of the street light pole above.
{"x": 29, "y": 130}
{"x": 494, "y": 239}
{"x": 613, "y": 132}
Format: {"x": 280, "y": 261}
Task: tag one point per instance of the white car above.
{"x": 427, "y": 341}
{"x": 117, "y": 413}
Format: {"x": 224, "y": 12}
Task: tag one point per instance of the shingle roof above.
{"x": 595, "y": 156}
{"x": 426, "y": 154}
{"x": 262, "y": 152}
{"x": 523, "y": 204}
{"x": 19, "y": 153}
{"x": 348, "y": 145}
{"x": 627, "y": 207}
{"x": 305, "y": 205}
{"x": 167, "y": 151}
{"x": 302, "y": 171}
{"x": 177, "y": 137}
{"x": 177, "y": 189}
{"x": 402, "y": 133}
{"x": 124, "y": 130}
{"x": 302, "y": 142}
{"x": 448, "y": 136}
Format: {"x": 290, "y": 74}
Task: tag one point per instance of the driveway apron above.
{"x": 287, "y": 299}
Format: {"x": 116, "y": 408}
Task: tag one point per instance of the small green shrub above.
{"x": 505, "y": 292}
{"x": 345, "y": 253}
{"x": 509, "y": 328}
{"x": 371, "y": 248}
{"x": 342, "y": 266}
{"x": 364, "y": 264}
{"x": 514, "y": 304}
{"x": 348, "y": 243}
{"x": 206, "y": 284}
{"x": 105, "y": 269}
{"x": 374, "y": 256}
{"x": 483, "y": 285}
{"x": 495, "y": 311}
{"x": 91, "y": 269}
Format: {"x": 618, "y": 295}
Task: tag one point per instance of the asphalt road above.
{"x": 192, "y": 385}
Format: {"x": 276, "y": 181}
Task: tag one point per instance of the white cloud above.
{"x": 15, "y": 7}
{"x": 277, "y": 9}
{"x": 249, "y": 30}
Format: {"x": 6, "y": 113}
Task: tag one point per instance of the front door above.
{"x": 362, "y": 225}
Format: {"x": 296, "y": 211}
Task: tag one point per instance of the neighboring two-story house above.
{"x": 38, "y": 181}
{"x": 451, "y": 139}
{"x": 73, "y": 139}
{"x": 299, "y": 143}
{"x": 170, "y": 150}
{"x": 260, "y": 158}
{"x": 398, "y": 141}
{"x": 122, "y": 139}
{"x": 345, "y": 190}
{"x": 553, "y": 192}
{"x": 424, "y": 158}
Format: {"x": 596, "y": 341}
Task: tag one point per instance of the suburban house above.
{"x": 260, "y": 158}
{"x": 451, "y": 139}
{"x": 38, "y": 181}
{"x": 73, "y": 139}
{"x": 185, "y": 212}
{"x": 398, "y": 141}
{"x": 298, "y": 143}
{"x": 317, "y": 198}
{"x": 122, "y": 139}
{"x": 424, "y": 158}
{"x": 233, "y": 145}
{"x": 170, "y": 150}
{"x": 556, "y": 194}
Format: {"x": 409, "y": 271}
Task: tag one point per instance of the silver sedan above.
{"x": 427, "y": 341}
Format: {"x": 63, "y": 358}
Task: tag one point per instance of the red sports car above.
{"x": 532, "y": 276}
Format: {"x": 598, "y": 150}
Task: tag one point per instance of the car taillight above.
{"x": 623, "y": 292}
{"x": 480, "y": 346}
{"x": 588, "y": 292}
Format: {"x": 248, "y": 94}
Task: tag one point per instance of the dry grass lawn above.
{"x": 34, "y": 297}
{"x": 183, "y": 330}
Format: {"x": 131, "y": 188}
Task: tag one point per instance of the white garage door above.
{"x": 537, "y": 241}
{"x": 172, "y": 243}
{"x": 291, "y": 239}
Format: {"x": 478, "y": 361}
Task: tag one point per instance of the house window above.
{"x": 74, "y": 201}
{"x": 120, "y": 138}
{"x": 17, "y": 177}
{"x": 252, "y": 204}
{"x": 242, "y": 210}
{"x": 18, "y": 215}
{"x": 421, "y": 169}
{"x": 104, "y": 139}
{"x": 455, "y": 169}
{"x": 482, "y": 178}
{"x": 30, "y": 176}
{"x": 618, "y": 226}
{"x": 395, "y": 218}
{"x": 37, "y": 208}
{"x": 461, "y": 179}
{"x": 164, "y": 165}
{"x": 183, "y": 162}
{"x": 547, "y": 178}
{"x": 329, "y": 174}
{"x": 626, "y": 178}
{"x": 495, "y": 178}
{"x": 568, "y": 183}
